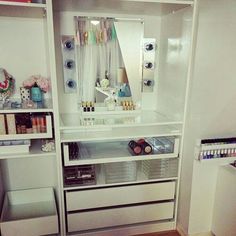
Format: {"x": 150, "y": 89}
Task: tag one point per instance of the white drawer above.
{"x": 119, "y": 216}
{"x": 85, "y": 199}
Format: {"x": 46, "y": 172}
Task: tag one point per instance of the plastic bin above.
{"x": 120, "y": 172}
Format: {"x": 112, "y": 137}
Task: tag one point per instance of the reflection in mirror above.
{"x": 109, "y": 57}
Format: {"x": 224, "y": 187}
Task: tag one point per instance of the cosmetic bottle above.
{"x": 34, "y": 124}
{"x": 110, "y": 103}
{"x": 135, "y": 147}
{"x": 146, "y": 147}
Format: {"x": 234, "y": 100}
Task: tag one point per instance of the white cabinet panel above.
{"x": 119, "y": 216}
{"x": 78, "y": 200}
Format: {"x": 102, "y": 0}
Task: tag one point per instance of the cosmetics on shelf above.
{"x": 88, "y": 106}
{"x": 135, "y": 147}
{"x": 128, "y": 105}
{"x": 217, "y": 148}
{"x": 73, "y": 151}
{"x": 152, "y": 145}
{"x": 23, "y": 123}
{"x": 79, "y": 175}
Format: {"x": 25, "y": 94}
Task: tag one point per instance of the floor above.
{"x": 169, "y": 233}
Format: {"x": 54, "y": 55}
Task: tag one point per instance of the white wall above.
{"x": 22, "y": 48}
{"x": 176, "y": 29}
{"x": 211, "y": 110}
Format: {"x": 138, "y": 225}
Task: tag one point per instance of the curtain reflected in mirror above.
{"x": 102, "y": 68}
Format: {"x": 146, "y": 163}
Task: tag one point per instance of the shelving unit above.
{"x": 152, "y": 192}
{"x": 103, "y": 135}
{"x": 28, "y": 180}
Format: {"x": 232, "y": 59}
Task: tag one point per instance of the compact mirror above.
{"x": 109, "y": 55}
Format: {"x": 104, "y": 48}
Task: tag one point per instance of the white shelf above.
{"x": 22, "y": 10}
{"x": 136, "y": 7}
{"x": 31, "y": 212}
{"x": 101, "y": 182}
{"x": 99, "y": 160}
{"x": 72, "y": 121}
{"x": 108, "y": 152}
{"x": 122, "y": 133}
{"x": 22, "y": 4}
{"x": 220, "y": 161}
{"x": 36, "y": 110}
{"x": 34, "y": 152}
{"x": 48, "y": 134}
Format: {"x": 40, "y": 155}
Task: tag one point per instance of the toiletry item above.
{"x": 11, "y": 123}
{"x": 36, "y": 93}
{"x": 135, "y": 147}
{"x": 43, "y": 127}
{"x": 92, "y": 106}
{"x": 24, "y": 94}
{"x": 83, "y": 104}
{"x": 38, "y": 124}
{"x": 23, "y": 129}
{"x": 88, "y": 106}
{"x": 18, "y": 129}
{"x": 146, "y": 147}
{"x": 110, "y": 103}
{"x": 34, "y": 124}
{"x": 2, "y": 125}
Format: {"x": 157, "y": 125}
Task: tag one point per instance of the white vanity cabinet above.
{"x": 107, "y": 189}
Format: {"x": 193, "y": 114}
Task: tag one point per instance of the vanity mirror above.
{"x": 109, "y": 59}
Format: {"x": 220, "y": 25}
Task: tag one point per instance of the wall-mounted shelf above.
{"x": 219, "y": 148}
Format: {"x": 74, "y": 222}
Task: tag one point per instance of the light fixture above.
{"x": 95, "y": 22}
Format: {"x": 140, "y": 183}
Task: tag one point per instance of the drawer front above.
{"x": 119, "y": 216}
{"x": 85, "y": 199}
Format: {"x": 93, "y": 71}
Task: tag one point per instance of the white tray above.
{"x": 29, "y": 212}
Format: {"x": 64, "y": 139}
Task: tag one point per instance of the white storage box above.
{"x": 161, "y": 168}
{"x": 29, "y": 213}
{"x": 120, "y": 172}
{"x": 15, "y": 146}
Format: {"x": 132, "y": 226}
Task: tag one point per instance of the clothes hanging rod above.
{"x": 110, "y": 18}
